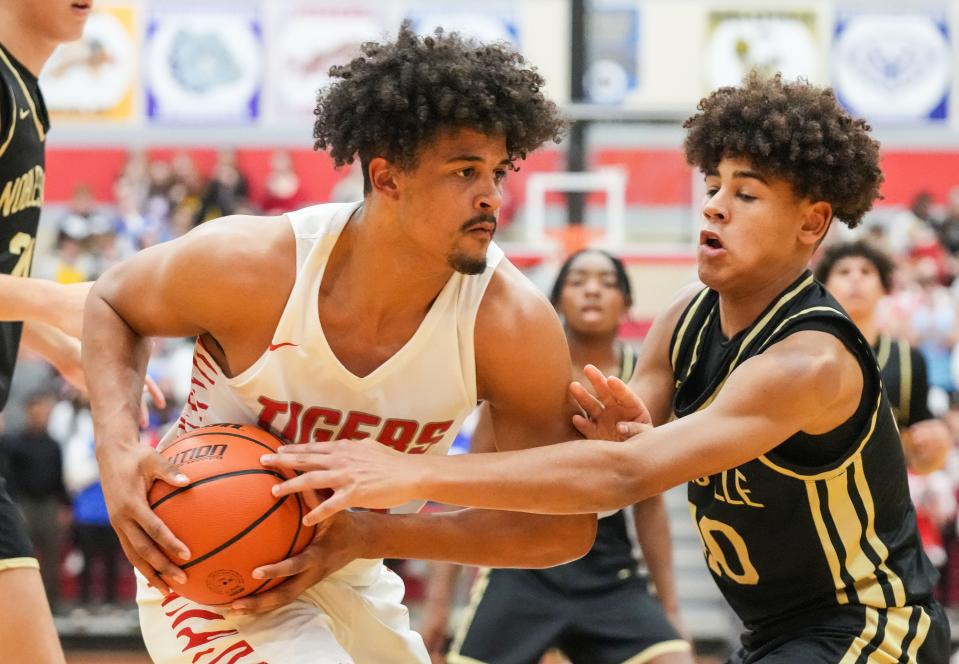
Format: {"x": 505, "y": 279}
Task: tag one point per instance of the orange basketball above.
{"x": 227, "y": 516}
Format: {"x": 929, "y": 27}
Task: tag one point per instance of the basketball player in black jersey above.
{"x": 796, "y": 476}
{"x": 29, "y": 32}
{"x": 858, "y": 275}
{"x": 598, "y": 609}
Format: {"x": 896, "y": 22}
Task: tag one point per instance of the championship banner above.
{"x": 894, "y": 67}
{"x": 203, "y": 64}
{"x": 767, "y": 41}
{"x": 306, "y": 39}
{"x": 96, "y": 77}
{"x": 494, "y": 20}
{"x": 612, "y": 58}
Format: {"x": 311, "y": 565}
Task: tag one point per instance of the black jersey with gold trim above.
{"x": 23, "y": 129}
{"x": 905, "y": 380}
{"x": 612, "y": 560}
{"x": 819, "y": 521}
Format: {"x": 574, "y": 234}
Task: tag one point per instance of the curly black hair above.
{"x": 860, "y": 249}
{"x": 795, "y": 131}
{"x": 398, "y": 96}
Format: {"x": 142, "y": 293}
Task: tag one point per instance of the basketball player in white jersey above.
{"x": 385, "y": 319}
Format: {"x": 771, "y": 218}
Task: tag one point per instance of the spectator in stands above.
{"x": 33, "y": 468}
{"x": 95, "y": 538}
{"x": 949, "y": 226}
{"x": 934, "y": 325}
{"x": 226, "y": 191}
{"x": 282, "y": 185}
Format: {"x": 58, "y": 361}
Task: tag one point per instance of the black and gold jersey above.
{"x": 23, "y": 129}
{"x": 905, "y": 380}
{"x": 818, "y": 521}
{"x": 612, "y": 559}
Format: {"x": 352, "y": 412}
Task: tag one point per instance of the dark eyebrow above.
{"x": 474, "y": 158}
{"x": 750, "y": 174}
{"x": 714, "y": 173}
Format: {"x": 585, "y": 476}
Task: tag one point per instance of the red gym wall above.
{"x": 657, "y": 177}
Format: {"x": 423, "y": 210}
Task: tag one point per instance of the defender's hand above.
{"x": 151, "y": 389}
{"x": 336, "y": 543}
{"x": 126, "y": 475}
{"x": 615, "y": 413}
{"x": 356, "y": 473}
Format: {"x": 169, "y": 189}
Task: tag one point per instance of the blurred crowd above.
{"x": 46, "y": 448}
{"x": 923, "y": 309}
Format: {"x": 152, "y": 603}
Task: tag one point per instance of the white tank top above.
{"x": 414, "y": 402}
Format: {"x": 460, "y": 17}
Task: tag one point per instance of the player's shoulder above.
{"x": 512, "y": 304}
{"x": 815, "y": 360}
{"x": 243, "y": 237}
{"x": 237, "y": 250}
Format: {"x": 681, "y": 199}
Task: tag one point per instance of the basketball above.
{"x": 226, "y": 515}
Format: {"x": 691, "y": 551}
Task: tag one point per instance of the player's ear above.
{"x": 816, "y": 218}
{"x": 383, "y": 177}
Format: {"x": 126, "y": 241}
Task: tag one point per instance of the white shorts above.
{"x": 354, "y": 616}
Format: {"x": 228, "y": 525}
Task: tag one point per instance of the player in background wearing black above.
{"x": 598, "y": 609}
{"x": 858, "y": 275}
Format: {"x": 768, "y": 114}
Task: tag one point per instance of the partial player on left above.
{"x": 45, "y": 316}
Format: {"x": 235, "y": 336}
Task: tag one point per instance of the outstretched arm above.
{"x": 44, "y": 301}
{"x": 807, "y": 382}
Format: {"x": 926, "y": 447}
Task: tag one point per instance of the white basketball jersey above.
{"x": 414, "y": 402}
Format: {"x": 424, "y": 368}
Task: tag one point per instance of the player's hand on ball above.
{"x": 126, "y": 476}
{"x": 614, "y": 413}
{"x": 335, "y": 544}
{"x": 356, "y": 473}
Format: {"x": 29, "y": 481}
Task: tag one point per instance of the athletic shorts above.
{"x": 16, "y": 549}
{"x": 517, "y": 615}
{"x": 354, "y": 616}
{"x": 855, "y": 635}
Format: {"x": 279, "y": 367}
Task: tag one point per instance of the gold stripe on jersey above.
{"x": 840, "y": 527}
{"x": 752, "y": 335}
{"x": 922, "y": 631}
{"x": 882, "y": 352}
{"x": 832, "y": 558}
{"x": 905, "y": 380}
{"x": 627, "y": 362}
{"x": 848, "y": 526}
{"x": 661, "y": 648}
{"x": 862, "y": 486}
{"x": 17, "y": 563}
{"x": 699, "y": 342}
{"x": 896, "y": 633}
{"x": 13, "y": 123}
{"x": 476, "y": 596}
{"x": 865, "y": 637}
{"x": 26, "y": 92}
{"x": 690, "y": 314}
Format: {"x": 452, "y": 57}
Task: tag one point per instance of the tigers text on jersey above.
{"x": 414, "y": 402}
{"x": 819, "y": 521}
{"x": 23, "y": 132}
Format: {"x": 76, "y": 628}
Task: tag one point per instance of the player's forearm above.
{"x": 53, "y": 345}
{"x": 652, "y": 531}
{"x": 59, "y": 305}
{"x": 480, "y": 537}
{"x": 577, "y": 477}
{"x": 114, "y": 359}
